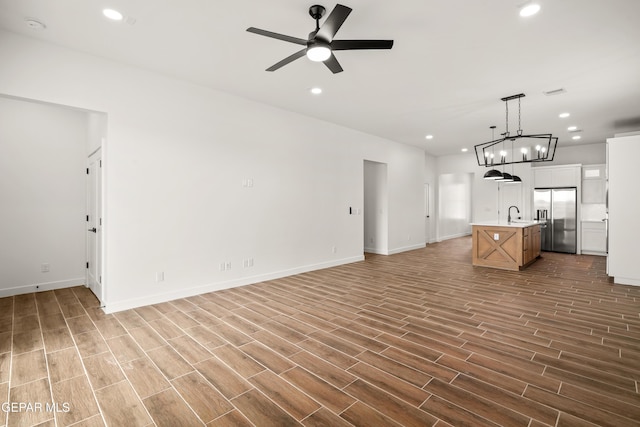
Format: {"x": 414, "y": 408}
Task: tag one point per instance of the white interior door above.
{"x": 94, "y": 224}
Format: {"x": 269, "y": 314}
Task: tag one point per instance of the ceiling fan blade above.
{"x": 287, "y": 60}
{"x": 278, "y": 36}
{"x": 333, "y": 22}
{"x": 361, "y": 44}
{"x": 333, "y": 64}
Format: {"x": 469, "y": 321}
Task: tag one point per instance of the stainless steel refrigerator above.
{"x": 557, "y": 208}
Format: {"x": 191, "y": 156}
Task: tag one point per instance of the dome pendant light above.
{"x": 515, "y": 178}
{"x": 493, "y": 174}
{"x": 506, "y": 177}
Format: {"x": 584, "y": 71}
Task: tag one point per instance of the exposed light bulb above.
{"x": 563, "y": 115}
{"x": 316, "y": 90}
{"x": 429, "y": 136}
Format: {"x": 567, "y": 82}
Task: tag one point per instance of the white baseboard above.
{"x": 115, "y": 306}
{"x": 407, "y": 248}
{"x": 376, "y": 251}
{"x": 453, "y": 236}
{"x": 626, "y": 281}
{"x": 41, "y": 287}
{"x": 593, "y": 253}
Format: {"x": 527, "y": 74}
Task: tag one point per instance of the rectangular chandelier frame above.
{"x": 540, "y": 148}
{"x": 531, "y": 148}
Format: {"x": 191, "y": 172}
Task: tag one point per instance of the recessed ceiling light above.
{"x": 529, "y": 9}
{"x": 316, "y": 90}
{"x": 563, "y": 115}
{"x": 572, "y": 128}
{"x": 113, "y": 14}
{"x": 34, "y": 24}
{"x": 576, "y": 137}
{"x": 464, "y": 150}
{"x": 429, "y": 136}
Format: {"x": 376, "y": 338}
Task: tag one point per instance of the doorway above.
{"x": 376, "y": 212}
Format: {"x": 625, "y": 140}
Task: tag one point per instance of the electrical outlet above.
{"x": 496, "y": 236}
{"x": 45, "y": 268}
{"x": 222, "y": 266}
{"x": 160, "y": 276}
{"x": 227, "y": 266}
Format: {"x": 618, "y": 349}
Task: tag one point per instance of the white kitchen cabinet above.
{"x": 557, "y": 176}
{"x": 594, "y": 238}
{"x": 623, "y": 153}
{"x": 594, "y": 184}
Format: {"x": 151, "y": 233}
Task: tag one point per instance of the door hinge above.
{"x": 100, "y": 163}
{"x": 87, "y": 264}
{"x": 87, "y": 218}
{"x": 87, "y": 171}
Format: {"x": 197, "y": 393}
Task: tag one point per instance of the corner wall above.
{"x": 42, "y": 192}
{"x": 210, "y": 189}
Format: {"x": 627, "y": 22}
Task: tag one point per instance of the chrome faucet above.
{"x": 509, "y": 215}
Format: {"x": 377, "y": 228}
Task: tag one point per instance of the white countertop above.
{"x": 519, "y": 223}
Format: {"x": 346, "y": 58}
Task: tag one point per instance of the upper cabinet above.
{"x": 556, "y": 176}
{"x": 594, "y": 184}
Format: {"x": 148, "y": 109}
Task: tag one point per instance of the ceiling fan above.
{"x": 319, "y": 46}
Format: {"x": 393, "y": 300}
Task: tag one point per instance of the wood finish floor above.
{"x": 420, "y": 338}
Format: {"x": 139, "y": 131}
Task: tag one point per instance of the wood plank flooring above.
{"x": 420, "y": 338}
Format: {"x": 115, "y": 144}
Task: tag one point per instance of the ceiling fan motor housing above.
{"x": 316, "y": 11}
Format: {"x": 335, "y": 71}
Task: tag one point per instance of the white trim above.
{"x": 376, "y": 251}
{"x": 626, "y": 281}
{"x": 453, "y": 236}
{"x": 407, "y": 248}
{"x": 112, "y": 307}
{"x": 41, "y": 287}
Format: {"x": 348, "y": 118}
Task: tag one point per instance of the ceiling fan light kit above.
{"x": 320, "y": 45}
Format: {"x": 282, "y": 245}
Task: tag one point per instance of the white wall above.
{"x": 588, "y": 154}
{"x": 177, "y": 165}
{"x": 96, "y": 131}
{"x": 42, "y": 192}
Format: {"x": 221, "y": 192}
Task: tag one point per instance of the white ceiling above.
{"x": 451, "y": 63}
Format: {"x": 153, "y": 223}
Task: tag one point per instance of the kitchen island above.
{"x": 506, "y": 245}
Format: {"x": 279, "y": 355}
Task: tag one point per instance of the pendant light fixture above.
{"x": 506, "y": 177}
{"x": 534, "y": 148}
{"x": 493, "y": 174}
{"x": 515, "y": 179}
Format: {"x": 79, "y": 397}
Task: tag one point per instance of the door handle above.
{"x": 93, "y": 230}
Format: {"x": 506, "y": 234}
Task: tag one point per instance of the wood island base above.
{"x": 507, "y": 247}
